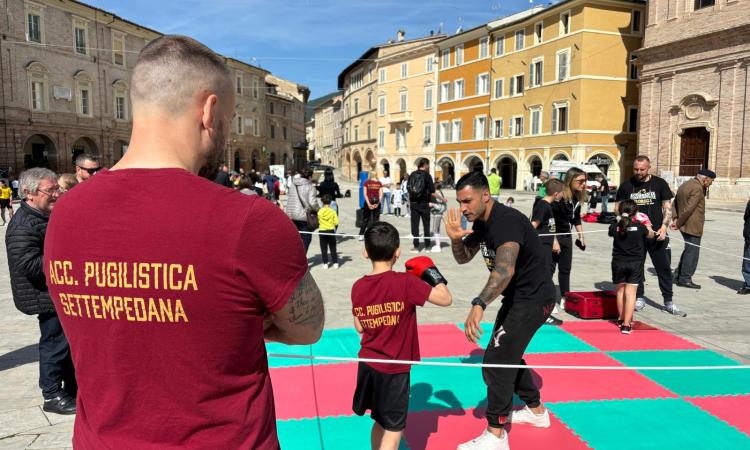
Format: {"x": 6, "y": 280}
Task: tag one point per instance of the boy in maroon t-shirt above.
{"x": 384, "y": 307}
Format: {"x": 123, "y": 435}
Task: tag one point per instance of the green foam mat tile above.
{"x": 440, "y": 387}
{"x": 338, "y": 342}
{"x": 339, "y": 433}
{"x": 689, "y": 383}
{"x": 548, "y": 339}
{"x": 652, "y": 424}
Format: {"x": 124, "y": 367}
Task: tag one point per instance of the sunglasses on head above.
{"x": 92, "y": 170}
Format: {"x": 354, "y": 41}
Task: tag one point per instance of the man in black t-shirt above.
{"x": 653, "y": 197}
{"x": 519, "y": 271}
{"x": 421, "y": 191}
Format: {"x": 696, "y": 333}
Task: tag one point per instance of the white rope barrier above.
{"x": 500, "y": 366}
{"x": 409, "y": 238}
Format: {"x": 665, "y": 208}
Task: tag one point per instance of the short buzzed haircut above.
{"x": 554, "y": 186}
{"x": 641, "y": 158}
{"x": 83, "y": 157}
{"x": 475, "y": 179}
{"x": 381, "y": 241}
{"x": 172, "y": 70}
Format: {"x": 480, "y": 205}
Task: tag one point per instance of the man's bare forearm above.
{"x": 461, "y": 253}
{"x": 666, "y": 209}
{"x": 505, "y": 268}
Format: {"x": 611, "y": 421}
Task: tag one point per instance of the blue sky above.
{"x": 307, "y": 41}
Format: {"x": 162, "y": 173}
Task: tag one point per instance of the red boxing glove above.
{"x": 642, "y": 218}
{"x": 424, "y": 268}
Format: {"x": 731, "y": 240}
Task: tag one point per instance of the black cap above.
{"x": 707, "y": 173}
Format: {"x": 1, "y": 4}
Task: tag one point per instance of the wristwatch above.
{"x": 479, "y": 302}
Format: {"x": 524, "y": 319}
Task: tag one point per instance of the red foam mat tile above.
{"x": 605, "y": 337}
{"x": 564, "y": 385}
{"x": 295, "y": 397}
{"x": 445, "y": 430}
{"x": 731, "y": 409}
{"x": 438, "y": 341}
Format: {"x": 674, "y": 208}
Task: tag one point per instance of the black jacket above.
{"x": 746, "y": 229}
{"x": 24, "y": 241}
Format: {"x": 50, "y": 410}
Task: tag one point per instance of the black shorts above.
{"x": 385, "y": 395}
{"x": 628, "y": 272}
{"x": 4, "y": 203}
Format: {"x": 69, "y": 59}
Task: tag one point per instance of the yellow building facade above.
{"x": 564, "y": 88}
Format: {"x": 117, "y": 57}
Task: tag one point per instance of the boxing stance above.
{"x": 519, "y": 272}
{"x": 384, "y": 306}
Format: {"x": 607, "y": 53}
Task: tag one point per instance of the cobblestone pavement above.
{"x": 717, "y": 317}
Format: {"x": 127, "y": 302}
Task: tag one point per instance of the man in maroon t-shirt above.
{"x": 384, "y": 307}
{"x": 373, "y": 193}
{"x": 166, "y": 302}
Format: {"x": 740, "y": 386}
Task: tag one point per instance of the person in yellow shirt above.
{"x": 5, "y": 193}
{"x": 328, "y": 221}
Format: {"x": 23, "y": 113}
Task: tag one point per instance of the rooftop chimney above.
{"x": 400, "y": 35}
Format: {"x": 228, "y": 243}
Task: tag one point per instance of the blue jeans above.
{"x": 386, "y": 201}
{"x": 746, "y": 263}
{"x": 605, "y": 200}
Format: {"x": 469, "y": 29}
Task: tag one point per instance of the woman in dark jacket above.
{"x": 330, "y": 187}
{"x": 567, "y": 213}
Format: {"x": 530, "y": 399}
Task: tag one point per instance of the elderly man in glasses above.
{"x": 87, "y": 165}
{"x": 24, "y": 242}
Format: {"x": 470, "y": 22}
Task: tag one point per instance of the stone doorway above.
{"x": 694, "y": 146}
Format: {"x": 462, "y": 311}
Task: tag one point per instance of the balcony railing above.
{"x": 403, "y": 116}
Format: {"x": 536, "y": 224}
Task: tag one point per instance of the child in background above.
{"x": 628, "y": 250}
{"x": 438, "y": 206}
{"x": 384, "y": 307}
{"x": 543, "y": 220}
{"x": 509, "y": 202}
{"x": 328, "y": 221}
{"x": 397, "y": 198}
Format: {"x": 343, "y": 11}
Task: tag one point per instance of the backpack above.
{"x": 416, "y": 185}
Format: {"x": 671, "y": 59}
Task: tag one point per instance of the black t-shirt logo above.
{"x": 489, "y": 255}
{"x": 643, "y": 197}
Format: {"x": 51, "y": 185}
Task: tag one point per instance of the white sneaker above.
{"x": 486, "y": 441}
{"x": 435, "y": 249}
{"x": 361, "y": 238}
{"x": 324, "y": 266}
{"x": 640, "y": 303}
{"x": 527, "y": 416}
{"x": 336, "y": 266}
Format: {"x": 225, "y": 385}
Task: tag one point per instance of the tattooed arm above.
{"x": 505, "y": 267}
{"x": 666, "y": 209}
{"x": 300, "y": 321}
{"x": 463, "y": 253}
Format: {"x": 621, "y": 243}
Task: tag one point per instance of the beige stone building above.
{"x": 324, "y": 126}
{"x": 385, "y": 111}
{"x": 65, "y": 82}
{"x": 65, "y": 69}
{"x": 406, "y": 105}
{"x": 249, "y": 130}
{"x": 695, "y": 104}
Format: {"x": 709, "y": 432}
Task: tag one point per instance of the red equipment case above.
{"x": 592, "y": 305}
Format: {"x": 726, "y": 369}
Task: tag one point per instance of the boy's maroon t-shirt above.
{"x": 385, "y": 305}
{"x": 161, "y": 280}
